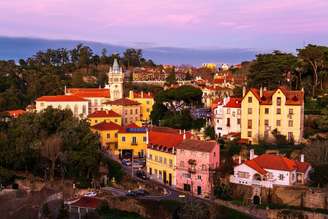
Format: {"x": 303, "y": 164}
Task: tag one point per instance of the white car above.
{"x": 90, "y": 194}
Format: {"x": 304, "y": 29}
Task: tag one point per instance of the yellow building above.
{"x": 132, "y": 140}
{"x": 108, "y": 134}
{"x": 146, "y": 101}
{"x": 161, "y": 155}
{"x": 129, "y": 109}
{"x": 265, "y": 112}
{"x": 104, "y": 116}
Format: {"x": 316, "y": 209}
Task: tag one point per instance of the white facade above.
{"x": 226, "y": 118}
{"x": 115, "y": 81}
{"x": 78, "y": 108}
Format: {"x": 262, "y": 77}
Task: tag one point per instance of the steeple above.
{"x": 116, "y": 67}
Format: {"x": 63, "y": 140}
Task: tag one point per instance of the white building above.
{"x": 115, "y": 81}
{"x": 226, "y": 116}
{"x": 269, "y": 170}
{"x": 78, "y": 105}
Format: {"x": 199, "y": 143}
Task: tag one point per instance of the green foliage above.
{"x": 223, "y": 191}
{"x": 106, "y": 213}
{"x": 210, "y": 132}
{"x": 115, "y": 169}
{"x": 63, "y": 212}
{"x": 319, "y": 176}
{"x": 7, "y": 177}
{"x": 194, "y": 209}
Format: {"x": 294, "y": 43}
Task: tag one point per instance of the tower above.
{"x": 115, "y": 81}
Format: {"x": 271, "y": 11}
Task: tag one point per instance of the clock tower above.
{"x": 115, "y": 81}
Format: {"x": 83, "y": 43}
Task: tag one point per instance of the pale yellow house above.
{"x": 108, "y": 134}
{"x": 132, "y": 140}
{"x": 104, "y": 116}
{"x": 146, "y": 100}
{"x": 129, "y": 109}
{"x": 264, "y": 112}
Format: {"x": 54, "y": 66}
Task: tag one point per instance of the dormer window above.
{"x": 278, "y": 101}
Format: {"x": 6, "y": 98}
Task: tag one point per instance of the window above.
{"x": 96, "y": 121}
{"x": 199, "y": 177}
{"x": 290, "y": 111}
{"x": 278, "y": 122}
{"x": 238, "y": 111}
{"x": 182, "y": 163}
{"x": 115, "y": 120}
{"x": 278, "y": 101}
{"x": 150, "y": 156}
{"x": 281, "y": 177}
{"x": 145, "y": 139}
{"x": 137, "y": 111}
{"x": 266, "y": 122}
{"x": 249, "y": 111}
{"x": 290, "y": 123}
{"x": 123, "y": 138}
{"x": 164, "y": 160}
{"x": 125, "y": 112}
{"x": 238, "y": 121}
{"x": 228, "y": 111}
{"x": 170, "y": 162}
{"x": 278, "y": 111}
{"x": 108, "y": 135}
{"x": 134, "y": 140}
{"x": 160, "y": 159}
{"x": 243, "y": 174}
{"x": 203, "y": 167}
{"x": 290, "y": 136}
{"x": 156, "y": 172}
{"x": 148, "y": 110}
{"x": 116, "y": 135}
{"x": 131, "y": 111}
{"x": 249, "y": 134}
{"x": 249, "y": 124}
{"x": 147, "y": 102}
{"x": 228, "y": 122}
{"x": 266, "y": 110}
{"x": 250, "y": 100}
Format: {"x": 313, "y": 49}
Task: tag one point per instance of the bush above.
{"x": 7, "y": 177}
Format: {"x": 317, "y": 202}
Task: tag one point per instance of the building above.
{"x": 78, "y": 105}
{"x": 146, "y": 100}
{"x": 264, "y": 113}
{"x": 104, "y": 116}
{"x": 227, "y": 116}
{"x": 211, "y": 66}
{"x": 270, "y": 170}
{"x": 108, "y": 134}
{"x": 210, "y": 93}
{"x": 195, "y": 163}
{"x": 95, "y": 96}
{"x": 161, "y": 153}
{"x": 115, "y": 81}
{"x": 132, "y": 141}
{"x": 129, "y": 109}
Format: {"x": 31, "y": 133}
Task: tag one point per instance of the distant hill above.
{"x": 17, "y": 47}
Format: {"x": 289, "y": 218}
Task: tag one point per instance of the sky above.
{"x": 256, "y": 24}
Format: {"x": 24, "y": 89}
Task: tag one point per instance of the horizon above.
{"x": 185, "y": 24}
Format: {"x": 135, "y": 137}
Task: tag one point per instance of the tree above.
{"x": 317, "y": 152}
{"x": 270, "y": 70}
{"x": 194, "y": 209}
{"x": 316, "y": 58}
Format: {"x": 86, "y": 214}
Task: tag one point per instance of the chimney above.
{"x": 302, "y": 89}
{"x": 173, "y": 150}
{"x": 239, "y": 159}
{"x": 65, "y": 89}
{"x": 180, "y": 132}
{"x": 251, "y": 154}
{"x": 141, "y": 94}
{"x": 302, "y": 158}
{"x": 131, "y": 94}
{"x": 184, "y": 134}
{"x": 244, "y": 91}
{"x": 265, "y": 89}
{"x": 261, "y": 91}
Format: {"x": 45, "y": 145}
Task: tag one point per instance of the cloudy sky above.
{"x": 260, "y": 24}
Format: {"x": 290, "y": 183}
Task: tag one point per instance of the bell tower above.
{"x": 115, "y": 81}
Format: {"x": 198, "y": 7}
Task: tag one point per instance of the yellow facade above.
{"x": 96, "y": 120}
{"x": 146, "y": 101}
{"x": 108, "y": 139}
{"x": 287, "y": 119}
{"x": 135, "y": 142}
{"x": 161, "y": 166}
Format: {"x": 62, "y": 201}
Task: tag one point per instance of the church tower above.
{"x": 115, "y": 81}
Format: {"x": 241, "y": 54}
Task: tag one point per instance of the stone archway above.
{"x": 256, "y": 200}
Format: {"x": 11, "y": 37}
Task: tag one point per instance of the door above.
{"x": 170, "y": 179}
{"x": 150, "y": 171}
{"x": 164, "y": 177}
{"x": 186, "y": 187}
{"x": 199, "y": 190}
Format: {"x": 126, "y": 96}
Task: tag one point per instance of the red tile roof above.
{"x": 197, "y": 145}
{"x": 87, "y": 202}
{"x": 105, "y": 126}
{"x": 16, "y": 113}
{"x": 61, "y": 98}
{"x": 122, "y": 102}
{"x": 104, "y": 113}
{"x": 142, "y": 94}
{"x": 234, "y": 102}
{"x": 89, "y": 92}
{"x": 166, "y": 139}
{"x": 276, "y": 162}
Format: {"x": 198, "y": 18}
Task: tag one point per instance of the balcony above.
{"x": 251, "y": 182}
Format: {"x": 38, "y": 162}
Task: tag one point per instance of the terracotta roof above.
{"x": 122, "y": 102}
{"x": 197, "y": 145}
{"x": 292, "y": 97}
{"x": 107, "y": 126}
{"x": 234, "y": 102}
{"x": 104, "y": 113}
{"x": 61, "y": 98}
{"x": 166, "y": 139}
{"x": 142, "y": 94}
{"x": 89, "y": 92}
{"x": 87, "y": 202}
{"x": 16, "y": 113}
{"x": 275, "y": 162}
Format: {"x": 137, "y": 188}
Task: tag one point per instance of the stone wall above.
{"x": 282, "y": 214}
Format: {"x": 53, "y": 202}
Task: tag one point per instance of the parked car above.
{"x": 141, "y": 192}
{"x": 142, "y": 175}
{"x": 131, "y": 193}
